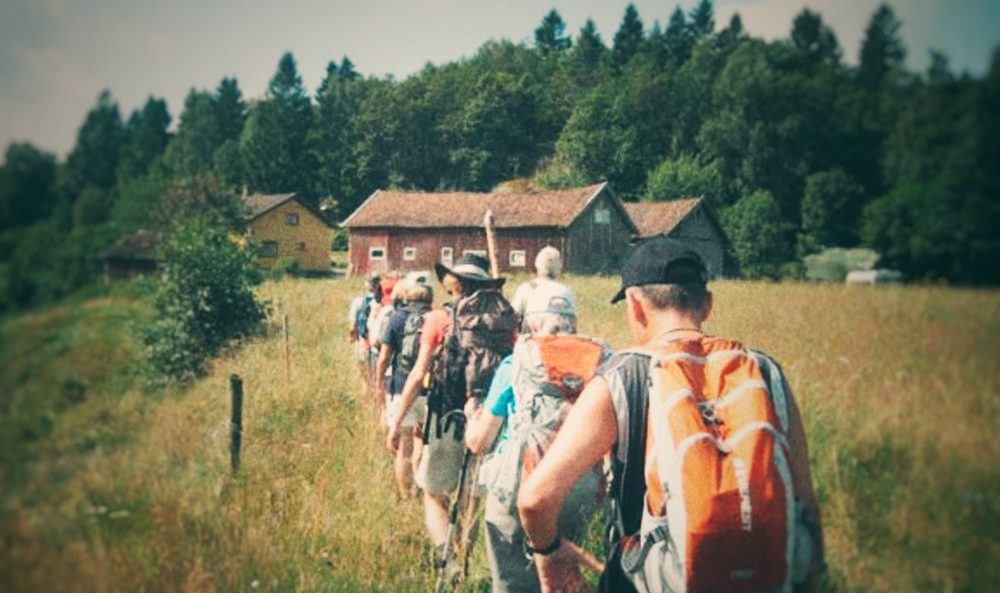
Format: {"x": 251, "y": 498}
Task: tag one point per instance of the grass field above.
{"x": 107, "y": 487}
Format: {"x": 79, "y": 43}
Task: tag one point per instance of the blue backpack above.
{"x": 361, "y": 316}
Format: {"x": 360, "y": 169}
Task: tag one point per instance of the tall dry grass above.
{"x": 132, "y": 491}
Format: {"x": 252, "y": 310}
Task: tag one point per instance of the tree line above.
{"x": 796, "y": 150}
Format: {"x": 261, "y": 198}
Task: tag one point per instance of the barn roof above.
{"x": 655, "y": 218}
{"x": 140, "y": 245}
{"x": 258, "y": 205}
{"x": 511, "y": 209}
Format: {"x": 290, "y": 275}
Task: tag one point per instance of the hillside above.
{"x": 108, "y": 487}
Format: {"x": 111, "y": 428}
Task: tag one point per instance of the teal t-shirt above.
{"x": 500, "y": 398}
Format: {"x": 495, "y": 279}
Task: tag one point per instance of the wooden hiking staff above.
{"x": 491, "y": 244}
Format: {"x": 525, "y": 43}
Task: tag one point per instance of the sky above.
{"x": 57, "y": 55}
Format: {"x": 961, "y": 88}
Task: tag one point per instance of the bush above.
{"x": 204, "y": 300}
{"x": 833, "y": 264}
{"x": 285, "y": 266}
{"x": 338, "y": 240}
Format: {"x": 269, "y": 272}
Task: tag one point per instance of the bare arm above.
{"x": 411, "y": 389}
{"x": 589, "y": 432}
{"x": 481, "y": 429}
{"x": 384, "y": 355}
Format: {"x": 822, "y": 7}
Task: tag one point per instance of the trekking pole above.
{"x": 443, "y": 573}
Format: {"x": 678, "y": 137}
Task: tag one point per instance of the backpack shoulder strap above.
{"x": 777, "y": 386}
{"x": 628, "y": 488}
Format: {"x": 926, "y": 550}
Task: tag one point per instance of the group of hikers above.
{"x": 691, "y": 445}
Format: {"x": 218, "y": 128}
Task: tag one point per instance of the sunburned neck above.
{"x": 671, "y": 327}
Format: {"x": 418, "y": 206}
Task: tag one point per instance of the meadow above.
{"x": 110, "y": 486}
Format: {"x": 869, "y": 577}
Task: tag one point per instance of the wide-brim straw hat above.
{"x": 470, "y": 267}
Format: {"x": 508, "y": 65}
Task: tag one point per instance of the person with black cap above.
{"x": 637, "y": 404}
{"x": 465, "y": 341}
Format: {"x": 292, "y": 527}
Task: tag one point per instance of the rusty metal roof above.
{"x": 511, "y": 209}
{"x": 259, "y": 204}
{"x": 140, "y": 245}
{"x": 655, "y": 218}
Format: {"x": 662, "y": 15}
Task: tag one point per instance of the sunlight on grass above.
{"x": 110, "y": 488}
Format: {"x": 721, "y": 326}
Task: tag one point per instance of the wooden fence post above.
{"x": 236, "y": 424}
{"x": 288, "y": 352}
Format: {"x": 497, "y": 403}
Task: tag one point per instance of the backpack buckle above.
{"x": 708, "y": 413}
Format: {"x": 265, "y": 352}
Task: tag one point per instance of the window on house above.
{"x": 376, "y": 253}
{"x": 479, "y": 252}
{"x": 268, "y": 249}
{"x": 292, "y": 219}
{"x": 602, "y": 215}
{"x": 517, "y": 258}
{"x": 409, "y": 253}
{"x": 447, "y": 254}
{"x": 301, "y": 246}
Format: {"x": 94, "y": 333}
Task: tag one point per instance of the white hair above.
{"x": 548, "y": 262}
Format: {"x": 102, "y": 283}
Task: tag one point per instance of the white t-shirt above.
{"x": 543, "y": 295}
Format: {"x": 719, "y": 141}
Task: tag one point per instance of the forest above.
{"x": 795, "y": 149}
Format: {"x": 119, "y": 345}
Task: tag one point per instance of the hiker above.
{"x": 519, "y": 417}
{"x": 548, "y": 265}
{"x": 357, "y": 320}
{"x": 378, "y": 318}
{"x": 700, "y": 417}
{"x": 465, "y": 341}
{"x": 400, "y": 342}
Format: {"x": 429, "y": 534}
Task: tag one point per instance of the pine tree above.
{"x": 678, "y": 37}
{"x": 346, "y": 70}
{"x": 199, "y": 135}
{"x": 230, "y": 109}
{"x": 549, "y": 36}
{"x": 146, "y": 138}
{"x": 882, "y": 50}
{"x": 702, "y": 20}
{"x": 629, "y": 38}
{"x": 589, "y": 50}
{"x": 333, "y": 139}
{"x": 814, "y": 39}
{"x": 274, "y": 142}
{"x": 94, "y": 159}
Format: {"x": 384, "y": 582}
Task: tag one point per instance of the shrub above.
{"x": 204, "y": 300}
{"x": 285, "y": 266}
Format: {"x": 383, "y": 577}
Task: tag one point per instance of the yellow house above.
{"x": 285, "y": 226}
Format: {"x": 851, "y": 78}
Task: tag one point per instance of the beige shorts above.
{"x": 440, "y": 462}
{"x": 414, "y": 416}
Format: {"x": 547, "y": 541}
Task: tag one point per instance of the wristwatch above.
{"x": 552, "y": 547}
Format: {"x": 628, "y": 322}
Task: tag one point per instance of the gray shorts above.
{"x": 441, "y": 462}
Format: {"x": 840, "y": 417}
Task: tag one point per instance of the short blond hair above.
{"x": 418, "y": 293}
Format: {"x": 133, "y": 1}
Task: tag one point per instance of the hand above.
{"x": 392, "y": 439}
{"x": 471, "y": 405}
{"x": 559, "y": 572}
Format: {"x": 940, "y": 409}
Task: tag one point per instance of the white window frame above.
{"x": 448, "y": 256}
{"x": 375, "y": 248}
{"x": 517, "y": 258}
{"x": 409, "y": 253}
{"x": 479, "y": 252}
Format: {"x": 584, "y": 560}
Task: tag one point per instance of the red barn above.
{"x": 399, "y": 230}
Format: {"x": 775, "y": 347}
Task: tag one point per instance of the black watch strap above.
{"x": 552, "y": 547}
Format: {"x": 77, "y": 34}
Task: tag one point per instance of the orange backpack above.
{"x": 719, "y": 512}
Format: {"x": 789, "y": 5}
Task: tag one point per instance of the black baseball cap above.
{"x": 661, "y": 260}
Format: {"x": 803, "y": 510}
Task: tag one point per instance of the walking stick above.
{"x": 445, "y": 575}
